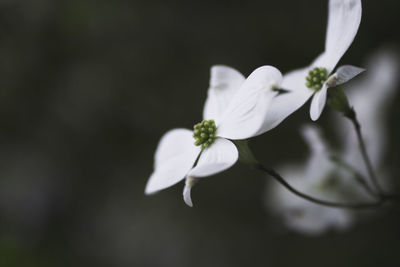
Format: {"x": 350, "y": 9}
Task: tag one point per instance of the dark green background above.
{"x": 88, "y": 87}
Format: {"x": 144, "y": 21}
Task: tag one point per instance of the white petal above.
{"x": 343, "y": 22}
{"x": 174, "y": 157}
{"x": 221, "y": 155}
{"x": 318, "y": 103}
{"x": 318, "y": 164}
{"x": 344, "y": 74}
{"x": 189, "y": 183}
{"x": 313, "y": 137}
{"x": 246, "y": 113}
{"x": 224, "y": 83}
{"x": 285, "y": 104}
{"x": 372, "y": 96}
{"x": 186, "y": 195}
{"x": 320, "y": 61}
{"x": 296, "y": 80}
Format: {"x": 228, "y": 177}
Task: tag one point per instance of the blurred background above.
{"x": 87, "y": 88}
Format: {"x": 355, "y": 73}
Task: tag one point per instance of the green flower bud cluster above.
{"x": 316, "y": 78}
{"x": 204, "y": 133}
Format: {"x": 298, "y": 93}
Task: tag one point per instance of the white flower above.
{"x": 371, "y": 98}
{"x": 320, "y": 178}
{"x": 343, "y": 22}
{"x": 235, "y": 109}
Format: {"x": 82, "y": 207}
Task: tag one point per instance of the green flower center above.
{"x": 204, "y": 133}
{"x": 316, "y": 78}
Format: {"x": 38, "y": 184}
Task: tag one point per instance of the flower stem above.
{"x": 351, "y": 115}
{"x": 357, "y": 176}
{"x": 282, "y": 181}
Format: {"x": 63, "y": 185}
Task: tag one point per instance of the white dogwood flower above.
{"x": 235, "y": 109}
{"x": 343, "y": 21}
{"x": 371, "y": 97}
{"x": 320, "y": 178}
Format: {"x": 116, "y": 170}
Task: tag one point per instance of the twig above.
{"x": 357, "y": 176}
{"x": 282, "y": 181}
{"x": 351, "y": 115}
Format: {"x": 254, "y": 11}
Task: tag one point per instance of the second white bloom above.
{"x": 313, "y": 81}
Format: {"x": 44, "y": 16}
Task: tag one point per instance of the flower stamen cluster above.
{"x": 204, "y": 133}
{"x": 316, "y": 78}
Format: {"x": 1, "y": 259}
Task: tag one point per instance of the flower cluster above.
{"x": 239, "y": 108}
{"x": 321, "y": 175}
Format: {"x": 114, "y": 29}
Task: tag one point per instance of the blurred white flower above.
{"x": 235, "y": 109}
{"x": 318, "y": 177}
{"x": 343, "y": 22}
{"x": 371, "y": 98}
